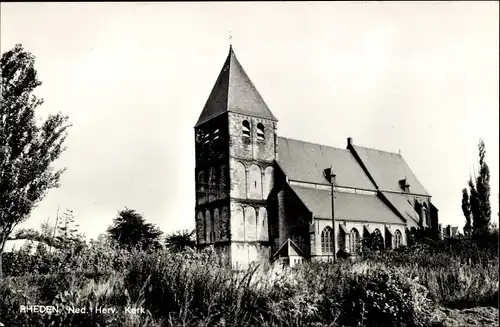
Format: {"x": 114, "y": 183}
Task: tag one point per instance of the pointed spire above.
{"x": 234, "y": 92}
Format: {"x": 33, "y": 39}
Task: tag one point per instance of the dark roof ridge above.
{"x": 379, "y": 150}
{"x": 312, "y": 143}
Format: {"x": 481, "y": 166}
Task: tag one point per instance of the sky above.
{"x": 417, "y": 77}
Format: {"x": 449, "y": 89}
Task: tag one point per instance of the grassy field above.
{"x": 399, "y": 288}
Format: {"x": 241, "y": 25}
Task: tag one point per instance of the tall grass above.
{"x": 401, "y": 288}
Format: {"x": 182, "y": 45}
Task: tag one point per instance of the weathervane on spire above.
{"x": 230, "y": 37}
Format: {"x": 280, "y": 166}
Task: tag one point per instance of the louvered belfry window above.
{"x": 246, "y": 128}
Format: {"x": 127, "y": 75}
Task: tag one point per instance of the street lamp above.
{"x": 330, "y": 177}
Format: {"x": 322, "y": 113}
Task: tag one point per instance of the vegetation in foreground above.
{"x": 186, "y": 288}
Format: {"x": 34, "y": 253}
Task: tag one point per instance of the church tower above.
{"x": 236, "y": 145}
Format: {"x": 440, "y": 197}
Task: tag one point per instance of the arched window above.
{"x": 238, "y": 181}
{"x": 326, "y": 240}
{"x": 208, "y": 227}
{"x": 237, "y": 224}
{"x": 398, "y": 237}
{"x": 212, "y": 185}
{"x": 216, "y": 134}
{"x": 201, "y": 188}
{"x": 268, "y": 182}
{"x": 250, "y": 224}
{"x": 353, "y": 241}
{"x": 225, "y": 231}
{"x": 254, "y": 182}
{"x": 246, "y": 128}
{"x": 217, "y": 225}
{"x": 260, "y": 131}
{"x": 222, "y": 182}
{"x": 262, "y": 229}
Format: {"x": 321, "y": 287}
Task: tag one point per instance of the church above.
{"x": 265, "y": 198}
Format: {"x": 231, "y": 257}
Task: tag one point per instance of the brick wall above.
{"x": 231, "y": 192}
{"x": 251, "y": 154}
{"x": 252, "y": 147}
{"x": 212, "y": 182}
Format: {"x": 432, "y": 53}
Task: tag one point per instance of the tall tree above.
{"x": 27, "y": 149}
{"x": 130, "y": 230}
{"x": 474, "y": 205}
{"x": 467, "y": 212}
{"x": 483, "y": 190}
{"x": 479, "y": 198}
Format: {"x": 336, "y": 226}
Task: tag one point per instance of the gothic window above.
{"x": 209, "y": 227}
{"x": 250, "y": 224}
{"x": 206, "y": 138}
{"x": 238, "y": 181}
{"x": 254, "y": 182}
{"x": 268, "y": 182}
{"x": 260, "y": 131}
{"x": 326, "y": 240}
{"x": 262, "y": 229}
{"x": 217, "y": 225}
{"x": 353, "y": 241}
{"x": 246, "y": 128}
{"x": 397, "y": 238}
{"x": 216, "y": 134}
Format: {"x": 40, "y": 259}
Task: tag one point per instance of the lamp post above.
{"x": 330, "y": 177}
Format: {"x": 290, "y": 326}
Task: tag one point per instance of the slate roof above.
{"x": 234, "y": 92}
{"x": 402, "y": 205}
{"x": 348, "y": 206}
{"x": 305, "y": 162}
{"x": 387, "y": 169}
